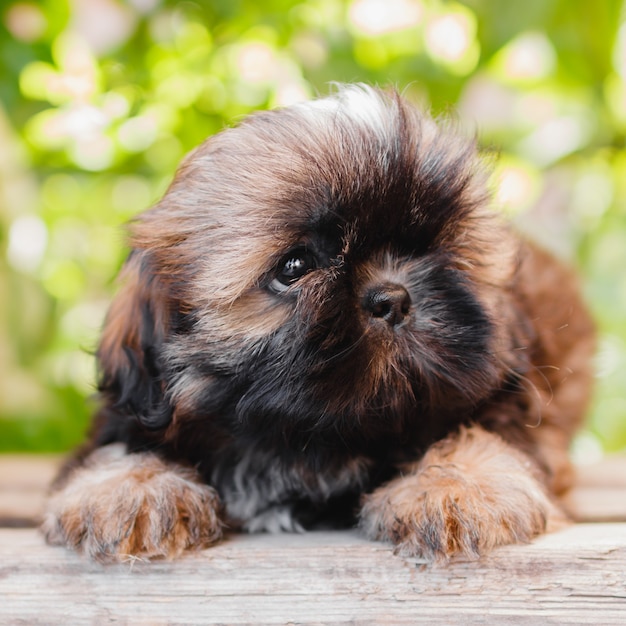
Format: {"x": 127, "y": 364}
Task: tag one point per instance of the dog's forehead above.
{"x": 352, "y": 159}
{"x": 361, "y": 167}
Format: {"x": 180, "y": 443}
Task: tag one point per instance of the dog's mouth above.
{"x": 364, "y": 388}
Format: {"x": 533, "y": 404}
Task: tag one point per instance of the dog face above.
{"x": 327, "y": 267}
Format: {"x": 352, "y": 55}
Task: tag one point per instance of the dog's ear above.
{"x": 131, "y": 378}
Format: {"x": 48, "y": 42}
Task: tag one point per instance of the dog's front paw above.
{"x": 119, "y": 506}
{"x": 466, "y": 496}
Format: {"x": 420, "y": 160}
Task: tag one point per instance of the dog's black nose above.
{"x": 389, "y": 302}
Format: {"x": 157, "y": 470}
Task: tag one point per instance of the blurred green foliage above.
{"x": 101, "y": 98}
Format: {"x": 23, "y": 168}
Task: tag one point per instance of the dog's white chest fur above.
{"x": 262, "y": 493}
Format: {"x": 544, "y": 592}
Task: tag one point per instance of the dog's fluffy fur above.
{"x": 324, "y": 323}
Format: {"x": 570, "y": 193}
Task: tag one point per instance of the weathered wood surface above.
{"x": 576, "y": 576}
{"x": 24, "y": 480}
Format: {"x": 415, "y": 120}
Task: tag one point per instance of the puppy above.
{"x": 323, "y": 323}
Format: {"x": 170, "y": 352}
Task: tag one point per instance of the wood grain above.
{"x": 576, "y": 576}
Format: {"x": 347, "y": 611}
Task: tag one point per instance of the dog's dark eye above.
{"x": 292, "y": 267}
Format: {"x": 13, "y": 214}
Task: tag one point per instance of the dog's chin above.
{"x": 305, "y": 394}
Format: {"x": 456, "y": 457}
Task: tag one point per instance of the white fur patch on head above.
{"x": 361, "y": 104}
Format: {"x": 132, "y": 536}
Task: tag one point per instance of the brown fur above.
{"x": 450, "y": 417}
{"x": 118, "y": 506}
{"x": 468, "y": 494}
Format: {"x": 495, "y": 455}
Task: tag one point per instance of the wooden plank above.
{"x": 24, "y": 480}
{"x": 609, "y": 472}
{"x": 596, "y": 504}
{"x": 576, "y": 576}
{"x": 599, "y": 495}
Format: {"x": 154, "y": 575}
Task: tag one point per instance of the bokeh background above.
{"x": 101, "y": 98}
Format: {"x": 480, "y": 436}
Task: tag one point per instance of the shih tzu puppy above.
{"x": 323, "y": 323}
